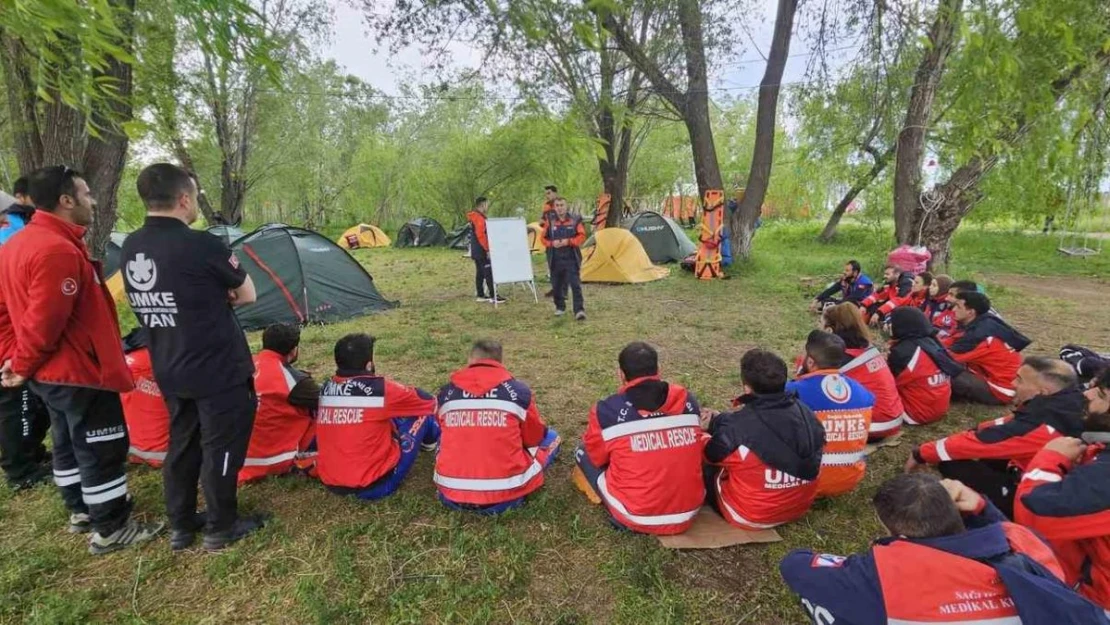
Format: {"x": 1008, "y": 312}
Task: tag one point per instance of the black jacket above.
{"x": 781, "y": 430}
{"x": 910, "y": 329}
{"x": 989, "y": 325}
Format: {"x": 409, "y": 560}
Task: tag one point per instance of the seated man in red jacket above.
{"x": 990, "y": 458}
{"x": 766, "y": 456}
{"x": 641, "y": 453}
{"x": 1065, "y": 496}
{"x": 369, "y": 428}
{"x": 284, "y": 433}
{"x": 894, "y": 292}
{"x": 144, "y": 409}
{"x": 494, "y": 445}
{"x": 988, "y": 347}
{"x": 950, "y": 557}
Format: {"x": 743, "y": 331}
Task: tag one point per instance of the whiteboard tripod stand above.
{"x": 510, "y": 255}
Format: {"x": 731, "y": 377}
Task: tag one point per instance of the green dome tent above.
{"x": 303, "y": 277}
{"x": 421, "y": 232}
{"x": 228, "y": 233}
{"x": 663, "y": 239}
{"x": 460, "y": 239}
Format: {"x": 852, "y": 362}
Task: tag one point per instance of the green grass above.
{"x": 327, "y": 559}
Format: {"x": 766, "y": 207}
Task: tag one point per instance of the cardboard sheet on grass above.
{"x": 710, "y": 531}
{"x": 892, "y": 441}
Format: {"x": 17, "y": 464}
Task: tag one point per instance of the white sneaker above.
{"x": 560, "y": 313}
{"x": 80, "y": 523}
{"x": 482, "y": 299}
{"x": 131, "y": 533}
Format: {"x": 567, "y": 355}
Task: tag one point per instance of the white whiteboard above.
{"x": 508, "y": 250}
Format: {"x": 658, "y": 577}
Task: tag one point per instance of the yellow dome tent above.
{"x": 535, "y": 238}
{"x": 363, "y": 236}
{"x": 618, "y": 256}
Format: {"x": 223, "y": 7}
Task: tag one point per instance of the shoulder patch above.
{"x": 826, "y": 560}
{"x": 836, "y": 389}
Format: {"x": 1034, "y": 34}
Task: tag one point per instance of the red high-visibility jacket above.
{"x": 490, "y": 430}
{"x": 869, "y": 368}
{"x": 145, "y": 412}
{"x": 356, "y": 439}
{"x": 651, "y": 478}
{"x": 478, "y": 222}
{"x": 58, "y": 321}
{"x": 926, "y": 391}
{"x": 281, "y": 430}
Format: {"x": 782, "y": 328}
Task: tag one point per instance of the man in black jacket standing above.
{"x": 183, "y": 285}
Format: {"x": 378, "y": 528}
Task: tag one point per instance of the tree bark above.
{"x": 881, "y": 161}
{"x": 742, "y": 222}
{"x": 106, "y": 154}
{"x": 911, "y": 140}
{"x": 20, "y": 87}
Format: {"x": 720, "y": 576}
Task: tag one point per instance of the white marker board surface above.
{"x": 508, "y": 250}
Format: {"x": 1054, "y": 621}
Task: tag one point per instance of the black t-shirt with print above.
{"x": 177, "y": 281}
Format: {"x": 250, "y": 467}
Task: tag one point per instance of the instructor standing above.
{"x": 182, "y": 284}
{"x": 563, "y": 238}
{"x": 479, "y": 250}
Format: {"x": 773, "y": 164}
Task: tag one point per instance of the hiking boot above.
{"x": 580, "y": 315}
{"x": 40, "y": 475}
{"x": 184, "y": 538}
{"x": 560, "y": 313}
{"x": 79, "y": 523}
{"x": 132, "y": 533}
{"x": 243, "y": 527}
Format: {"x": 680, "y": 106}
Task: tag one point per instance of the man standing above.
{"x": 563, "y": 237}
{"x": 479, "y": 251}
{"x": 58, "y": 330}
{"x": 24, "y": 420}
{"x": 182, "y": 284}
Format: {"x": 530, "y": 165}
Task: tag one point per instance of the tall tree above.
{"x": 551, "y": 50}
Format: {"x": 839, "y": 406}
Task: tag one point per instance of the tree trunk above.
{"x": 20, "y": 87}
{"x": 862, "y": 183}
{"x": 742, "y": 222}
{"x": 911, "y": 140}
{"x": 707, "y": 170}
{"x": 106, "y": 155}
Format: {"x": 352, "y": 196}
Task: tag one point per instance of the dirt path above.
{"x": 1058, "y": 310}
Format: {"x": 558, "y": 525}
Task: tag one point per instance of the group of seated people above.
{"x": 652, "y": 456}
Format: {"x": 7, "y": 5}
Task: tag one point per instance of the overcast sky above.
{"x": 353, "y": 49}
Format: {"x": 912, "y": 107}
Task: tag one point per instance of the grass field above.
{"x": 325, "y": 559}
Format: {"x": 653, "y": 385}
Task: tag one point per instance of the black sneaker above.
{"x": 580, "y": 315}
{"x": 243, "y": 527}
{"x": 41, "y": 475}
{"x": 498, "y": 300}
{"x": 184, "y": 538}
{"x": 132, "y": 533}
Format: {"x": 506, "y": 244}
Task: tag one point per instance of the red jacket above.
{"x": 569, "y": 228}
{"x": 490, "y": 434}
{"x": 478, "y": 223}
{"x": 996, "y": 363}
{"x": 1069, "y": 504}
{"x": 925, "y": 390}
{"x": 58, "y": 321}
{"x": 651, "y": 459}
{"x": 890, "y": 296}
{"x": 355, "y": 435}
{"x": 145, "y": 412}
{"x": 281, "y": 430}
{"x": 869, "y": 368}
{"x": 1016, "y": 438}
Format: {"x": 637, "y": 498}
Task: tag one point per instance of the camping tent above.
{"x": 662, "y": 238}
{"x": 302, "y": 277}
{"x": 460, "y": 239}
{"x": 228, "y": 233}
{"x": 363, "y": 236}
{"x": 617, "y": 256}
{"x": 112, "y": 276}
{"x": 421, "y": 232}
{"x": 535, "y": 238}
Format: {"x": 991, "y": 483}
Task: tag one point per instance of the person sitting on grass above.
{"x": 894, "y": 292}
{"x": 641, "y": 454}
{"x": 144, "y": 409}
{"x": 764, "y": 458}
{"x": 921, "y": 367}
{"x": 842, "y": 405}
{"x": 989, "y": 348}
{"x": 853, "y": 286}
{"x": 494, "y": 444}
{"x": 950, "y": 557}
{"x": 369, "y": 428}
{"x": 1065, "y": 497}
{"x": 991, "y": 457}
{"x": 284, "y": 432}
{"x": 1087, "y": 362}
{"x": 938, "y": 308}
{"x": 919, "y": 291}
{"x": 867, "y": 365}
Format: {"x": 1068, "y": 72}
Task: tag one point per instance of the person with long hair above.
{"x": 868, "y": 366}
